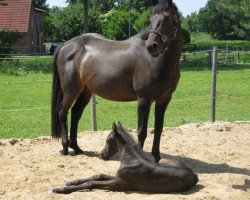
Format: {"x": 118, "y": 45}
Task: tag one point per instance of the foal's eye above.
{"x": 158, "y": 24}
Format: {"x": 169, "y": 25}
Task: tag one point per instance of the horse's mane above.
{"x": 162, "y": 6}
{"x": 143, "y": 34}
{"x": 132, "y": 146}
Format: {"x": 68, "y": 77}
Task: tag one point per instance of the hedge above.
{"x": 236, "y": 45}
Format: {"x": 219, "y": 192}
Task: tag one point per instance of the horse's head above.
{"x": 113, "y": 141}
{"x": 163, "y": 26}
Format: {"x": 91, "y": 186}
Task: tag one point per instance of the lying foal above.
{"x": 136, "y": 171}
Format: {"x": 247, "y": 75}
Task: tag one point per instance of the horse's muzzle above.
{"x": 154, "y": 49}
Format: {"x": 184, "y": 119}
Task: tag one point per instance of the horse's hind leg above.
{"x": 98, "y": 177}
{"x": 66, "y": 104}
{"x": 115, "y": 184}
{"x": 76, "y": 113}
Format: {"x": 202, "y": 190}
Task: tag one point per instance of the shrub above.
{"x": 221, "y": 44}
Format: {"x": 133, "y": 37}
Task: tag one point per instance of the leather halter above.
{"x": 164, "y": 37}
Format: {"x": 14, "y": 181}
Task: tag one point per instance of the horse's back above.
{"x": 104, "y": 66}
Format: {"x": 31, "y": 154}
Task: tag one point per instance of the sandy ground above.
{"x": 219, "y": 153}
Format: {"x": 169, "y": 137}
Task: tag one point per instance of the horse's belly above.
{"x": 115, "y": 90}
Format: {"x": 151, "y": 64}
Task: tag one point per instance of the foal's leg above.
{"x": 160, "y": 108}
{"x": 76, "y": 113}
{"x": 143, "y": 110}
{"x": 115, "y": 184}
{"x": 98, "y": 177}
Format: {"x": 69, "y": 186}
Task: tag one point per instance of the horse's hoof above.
{"x": 64, "y": 152}
{"x": 78, "y": 151}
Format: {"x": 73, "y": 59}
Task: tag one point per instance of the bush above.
{"x": 7, "y": 39}
{"x": 186, "y": 36}
{"x": 232, "y": 45}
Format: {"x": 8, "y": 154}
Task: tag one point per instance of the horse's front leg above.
{"x": 160, "y": 108}
{"x": 143, "y": 110}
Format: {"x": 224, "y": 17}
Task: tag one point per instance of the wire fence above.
{"x": 19, "y": 102}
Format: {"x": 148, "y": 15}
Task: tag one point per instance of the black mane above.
{"x": 132, "y": 146}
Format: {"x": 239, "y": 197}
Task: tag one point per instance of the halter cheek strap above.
{"x": 166, "y": 36}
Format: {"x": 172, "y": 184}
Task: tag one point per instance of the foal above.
{"x": 136, "y": 171}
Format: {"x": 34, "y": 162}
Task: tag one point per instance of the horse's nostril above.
{"x": 154, "y": 45}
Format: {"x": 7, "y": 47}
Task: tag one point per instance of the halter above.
{"x": 164, "y": 37}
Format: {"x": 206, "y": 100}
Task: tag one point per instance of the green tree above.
{"x": 7, "y": 39}
{"x": 64, "y": 23}
{"x": 41, "y": 4}
{"x": 226, "y": 19}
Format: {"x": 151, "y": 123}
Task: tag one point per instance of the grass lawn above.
{"x": 25, "y": 102}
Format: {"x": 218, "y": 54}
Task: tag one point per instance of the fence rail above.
{"x": 213, "y": 57}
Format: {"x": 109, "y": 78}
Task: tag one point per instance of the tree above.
{"x": 41, "y": 4}
{"x": 226, "y": 19}
{"x": 62, "y": 24}
{"x": 7, "y": 39}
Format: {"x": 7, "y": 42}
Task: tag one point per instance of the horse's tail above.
{"x": 56, "y": 101}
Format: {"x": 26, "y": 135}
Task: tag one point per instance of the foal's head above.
{"x": 116, "y": 138}
{"x": 163, "y": 26}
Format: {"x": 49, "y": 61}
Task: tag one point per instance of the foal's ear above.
{"x": 114, "y": 127}
{"x": 154, "y": 2}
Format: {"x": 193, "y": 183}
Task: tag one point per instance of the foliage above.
{"x": 7, "y": 39}
{"x": 41, "y": 4}
{"x": 225, "y": 19}
{"x": 222, "y": 44}
{"x": 64, "y": 23}
{"x": 110, "y": 18}
{"x": 186, "y": 36}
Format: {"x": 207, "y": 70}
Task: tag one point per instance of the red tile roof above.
{"x": 15, "y": 15}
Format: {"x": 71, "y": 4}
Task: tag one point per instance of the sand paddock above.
{"x": 219, "y": 153}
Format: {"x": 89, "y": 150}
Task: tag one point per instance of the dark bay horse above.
{"x": 136, "y": 171}
{"x": 143, "y": 68}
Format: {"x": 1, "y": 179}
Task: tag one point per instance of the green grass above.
{"x": 190, "y": 103}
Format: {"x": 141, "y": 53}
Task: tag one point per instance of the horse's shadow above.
{"x": 199, "y": 166}
{"x": 86, "y": 153}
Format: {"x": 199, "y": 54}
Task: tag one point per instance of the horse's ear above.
{"x": 170, "y": 2}
{"x": 154, "y": 2}
{"x": 114, "y": 127}
{"x": 119, "y": 125}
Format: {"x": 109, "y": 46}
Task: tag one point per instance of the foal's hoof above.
{"x": 60, "y": 191}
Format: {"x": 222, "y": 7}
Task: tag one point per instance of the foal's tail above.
{"x": 56, "y": 101}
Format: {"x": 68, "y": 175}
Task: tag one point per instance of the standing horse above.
{"x": 143, "y": 68}
{"x": 136, "y": 171}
